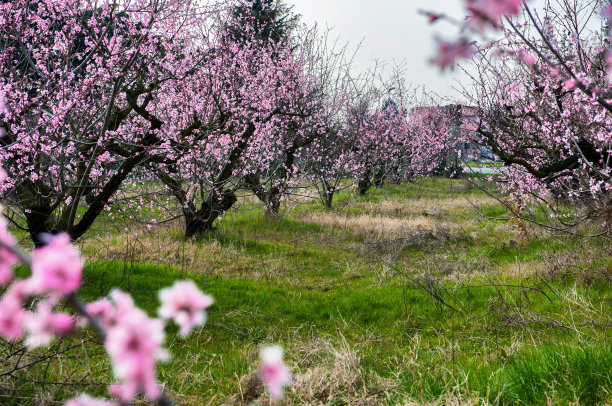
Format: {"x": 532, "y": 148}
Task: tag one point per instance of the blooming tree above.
{"x": 255, "y": 108}
{"x": 331, "y": 156}
{"x": 77, "y": 78}
{"x": 383, "y": 131}
{"x": 397, "y": 136}
{"x": 380, "y": 147}
{"x": 435, "y": 135}
{"x": 542, "y": 96}
{"x": 308, "y": 145}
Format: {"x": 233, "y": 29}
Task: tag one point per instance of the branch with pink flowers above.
{"x": 133, "y": 341}
{"x": 541, "y": 97}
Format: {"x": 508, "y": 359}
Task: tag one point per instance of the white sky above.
{"x": 390, "y": 30}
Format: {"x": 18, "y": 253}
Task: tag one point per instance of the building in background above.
{"x": 468, "y": 143}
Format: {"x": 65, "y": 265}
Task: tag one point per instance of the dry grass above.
{"x": 579, "y": 265}
{"x": 382, "y": 227}
{"x": 425, "y": 207}
{"x": 339, "y": 376}
{"x": 164, "y": 246}
{"x": 248, "y": 199}
{"x": 330, "y": 374}
{"x": 452, "y": 400}
{"x": 453, "y": 270}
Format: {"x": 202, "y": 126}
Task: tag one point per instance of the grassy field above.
{"x": 428, "y": 292}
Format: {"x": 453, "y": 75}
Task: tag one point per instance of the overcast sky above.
{"x": 389, "y": 30}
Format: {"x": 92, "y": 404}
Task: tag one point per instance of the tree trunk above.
{"x": 37, "y": 219}
{"x": 252, "y": 182}
{"x": 364, "y": 184}
{"x": 329, "y": 197}
{"x": 196, "y": 226}
{"x": 273, "y": 203}
{"x": 270, "y": 198}
{"x": 199, "y": 223}
{"x": 379, "y": 179}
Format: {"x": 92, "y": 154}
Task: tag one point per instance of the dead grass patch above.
{"x": 455, "y": 270}
{"x": 165, "y": 246}
{"x": 452, "y": 400}
{"x": 579, "y": 266}
{"x": 386, "y": 237}
{"x": 330, "y": 374}
{"x": 426, "y": 207}
{"x": 382, "y": 227}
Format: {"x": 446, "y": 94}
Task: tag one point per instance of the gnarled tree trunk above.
{"x": 271, "y": 198}
{"x": 364, "y": 184}
{"x": 200, "y": 222}
{"x": 379, "y": 178}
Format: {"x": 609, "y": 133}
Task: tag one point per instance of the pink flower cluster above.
{"x": 450, "y": 52}
{"x": 56, "y": 272}
{"x": 274, "y": 373}
{"x": 133, "y": 340}
{"x": 489, "y": 12}
{"x": 481, "y": 15}
{"x": 184, "y": 304}
{"x": 43, "y": 325}
{"x": 134, "y": 343}
{"x": 56, "y": 267}
{"x": 7, "y": 257}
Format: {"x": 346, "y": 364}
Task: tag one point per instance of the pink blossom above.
{"x": 86, "y": 400}
{"x": 3, "y": 111}
{"x": 57, "y": 267}
{"x": 134, "y": 344}
{"x": 274, "y": 373}
{"x": 43, "y": 325}
{"x": 529, "y": 58}
{"x": 11, "y": 319}
{"x": 609, "y": 63}
{"x": 569, "y": 84}
{"x": 3, "y": 107}
{"x": 607, "y": 12}
{"x": 103, "y": 310}
{"x": 184, "y": 303}
{"x": 491, "y": 11}
{"x": 448, "y": 53}
{"x": 18, "y": 292}
{"x": 433, "y": 17}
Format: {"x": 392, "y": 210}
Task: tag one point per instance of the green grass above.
{"x": 475, "y": 316}
{"x": 251, "y": 313}
{"x": 561, "y": 373}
